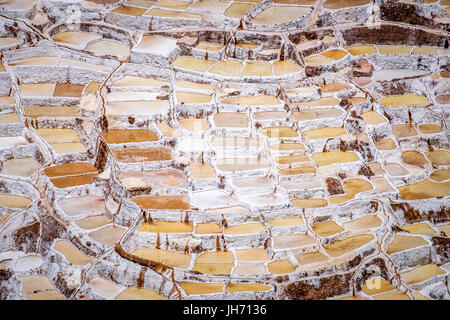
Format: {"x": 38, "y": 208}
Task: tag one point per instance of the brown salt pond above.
{"x": 339, "y": 4}
{"x": 439, "y": 157}
{"x": 387, "y": 144}
{"x": 310, "y": 257}
{"x": 170, "y": 258}
{"x": 280, "y": 14}
{"x": 280, "y": 267}
{"x": 190, "y": 63}
{"x": 352, "y": 187}
{"x": 169, "y": 202}
{"x": 326, "y": 228}
{"x": 309, "y": 203}
{"x": 14, "y": 201}
{"x": 404, "y": 130}
{"x": 201, "y": 287}
{"x": 127, "y": 135}
{"x": 71, "y": 174}
{"x": 422, "y": 273}
{"x": 414, "y": 158}
{"x": 325, "y": 132}
{"x": 424, "y": 189}
{"x": 365, "y": 222}
{"x": 420, "y": 228}
{"x": 332, "y": 157}
{"x": 440, "y": 175}
{"x": 108, "y": 235}
{"x": 130, "y": 155}
{"x": 408, "y": 99}
{"x": 293, "y": 241}
{"x": 134, "y": 293}
{"x": 402, "y": 243}
{"x": 39, "y": 288}
{"x": 93, "y": 222}
{"x": 373, "y": 118}
{"x": 230, "y": 120}
{"x": 341, "y": 247}
{"x": 71, "y": 253}
{"x": 167, "y": 227}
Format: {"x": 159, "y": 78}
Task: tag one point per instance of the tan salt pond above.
{"x": 296, "y": 170}
{"x": 339, "y": 4}
{"x": 376, "y": 285}
{"x": 127, "y": 135}
{"x": 310, "y": 257}
{"x": 106, "y": 47}
{"x": 194, "y": 124}
{"x": 227, "y": 68}
{"x": 238, "y": 10}
{"x": 142, "y": 154}
{"x": 75, "y": 37}
{"x": 280, "y": 14}
{"x": 250, "y": 268}
{"x": 407, "y": 99}
{"x": 440, "y": 175}
{"x": 414, "y": 158}
{"x": 134, "y": 293}
{"x": 443, "y": 99}
{"x": 202, "y": 171}
{"x": 213, "y": 268}
{"x": 280, "y": 267}
{"x": 172, "y": 202}
{"x": 439, "y": 157}
{"x": 394, "y": 50}
{"x": 373, "y": 118}
{"x": 104, "y": 288}
{"x": 167, "y": 227}
{"x": 341, "y": 247}
{"x": 335, "y": 54}
{"x": 190, "y": 63}
{"x": 170, "y": 258}
{"x": 359, "y": 50}
{"x": 316, "y": 61}
{"x": 20, "y": 167}
{"x": 241, "y": 287}
{"x": 326, "y": 228}
{"x": 135, "y": 81}
{"x": 189, "y": 97}
{"x": 255, "y": 254}
{"x": 365, "y": 222}
{"x": 156, "y": 12}
{"x": 8, "y": 41}
{"x": 39, "y": 288}
{"x": 387, "y": 144}
{"x": 322, "y": 102}
{"x": 422, "y": 273}
{"x": 425, "y": 189}
{"x": 352, "y": 187}
{"x": 285, "y": 222}
{"x": 207, "y": 46}
{"x": 14, "y": 201}
{"x": 9, "y": 118}
{"x": 393, "y": 295}
{"x": 402, "y": 243}
{"x": 291, "y": 159}
{"x": 174, "y": 4}
{"x": 108, "y": 235}
{"x": 245, "y": 228}
{"x": 331, "y": 157}
{"x": 167, "y": 131}
{"x": 71, "y": 253}
{"x": 404, "y": 130}
{"x": 445, "y": 228}
{"x": 288, "y": 146}
{"x": 285, "y": 67}
{"x": 82, "y": 205}
{"x": 257, "y": 69}
{"x": 207, "y": 228}
{"x": 253, "y": 100}
{"x": 130, "y": 11}
{"x": 334, "y": 87}
{"x": 312, "y": 114}
{"x": 420, "y": 228}
{"x": 430, "y": 128}
{"x": 325, "y": 132}
{"x": 58, "y": 135}
{"x": 279, "y": 132}
{"x": 50, "y": 112}
{"x": 201, "y": 287}
{"x": 93, "y": 222}
{"x": 37, "y": 89}
{"x": 230, "y": 120}
{"x": 293, "y": 240}
{"x": 309, "y": 203}
{"x": 193, "y": 85}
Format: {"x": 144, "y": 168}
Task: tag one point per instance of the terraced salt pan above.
{"x": 25, "y": 167}
{"x": 171, "y": 258}
{"x": 422, "y": 273}
{"x": 402, "y": 243}
{"x": 27, "y": 263}
{"x": 408, "y": 99}
{"x": 39, "y": 288}
{"x": 425, "y": 189}
{"x": 104, "y": 288}
{"x": 71, "y": 253}
{"x": 391, "y": 74}
{"x": 134, "y": 293}
{"x": 106, "y": 47}
{"x": 280, "y": 14}
{"x": 341, "y": 247}
{"x": 14, "y": 201}
{"x": 74, "y": 37}
{"x": 108, "y": 235}
{"x": 238, "y": 10}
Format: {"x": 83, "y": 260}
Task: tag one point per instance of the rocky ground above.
{"x": 246, "y": 149}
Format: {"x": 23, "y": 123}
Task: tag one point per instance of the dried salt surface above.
{"x": 242, "y": 154}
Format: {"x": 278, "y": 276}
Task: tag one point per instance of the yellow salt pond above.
{"x": 167, "y": 227}
{"x": 420, "y": 228}
{"x": 439, "y": 157}
{"x": 297, "y": 170}
{"x": 376, "y": 285}
{"x": 227, "y": 68}
{"x": 334, "y": 87}
{"x": 326, "y": 228}
{"x": 373, "y": 118}
{"x": 156, "y": 12}
{"x": 363, "y": 49}
{"x": 280, "y": 14}
{"x": 332, "y": 157}
{"x": 317, "y": 61}
{"x": 257, "y": 69}
{"x": 134, "y": 293}
{"x": 241, "y": 287}
{"x": 407, "y": 99}
{"x": 440, "y": 175}
{"x": 445, "y": 228}
{"x": 309, "y": 203}
{"x": 71, "y": 253}
{"x": 130, "y": 11}
{"x": 14, "y": 201}
{"x": 430, "y": 51}
{"x": 430, "y": 128}
{"x": 402, "y": 243}
{"x": 394, "y": 50}
{"x": 325, "y": 132}
{"x": 352, "y": 187}
{"x": 279, "y": 132}
{"x": 341, "y": 247}
{"x": 202, "y": 171}
{"x": 207, "y": 46}
{"x": 310, "y": 257}
{"x": 285, "y": 222}
{"x": 285, "y": 67}
{"x": 254, "y": 254}
{"x": 280, "y": 267}
{"x": 393, "y": 295}
{"x": 387, "y": 144}
{"x": 422, "y": 273}
{"x": 190, "y": 63}
{"x": 425, "y": 189}
{"x": 238, "y": 10}
{"x": 335, "y": 54}
{"x": 170, "y": 258}
{"x": 201, "y": 287}
{"x": 9, "y": 118}
{"x": 207, "y": 228}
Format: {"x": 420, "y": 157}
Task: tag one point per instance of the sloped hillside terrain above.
{"x": 241, "y": 149}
